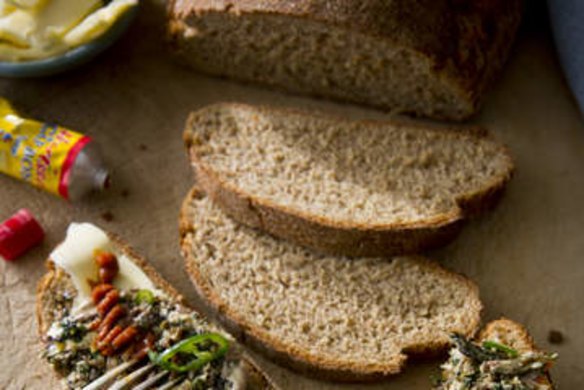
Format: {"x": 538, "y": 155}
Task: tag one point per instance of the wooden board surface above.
{"x": 527, "y": 256}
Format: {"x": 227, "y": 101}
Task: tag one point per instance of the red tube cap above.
{"x": 18, "y": 234}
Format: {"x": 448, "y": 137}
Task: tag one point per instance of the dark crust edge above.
{"x": 296, "y": 358}
{"x": 524, "y": 335}
{"x": 356, "y": 240}
{"x": 50, "y": 281}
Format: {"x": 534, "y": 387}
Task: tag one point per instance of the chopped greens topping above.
{"x": 493, "y": 365}
{"x": 473, "y": 351}
{"x": 202, "y": 362}
{"x": 67, "y": 329}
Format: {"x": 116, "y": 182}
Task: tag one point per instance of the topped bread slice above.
{"x": 503, "y": 357}
{"x": 331, "y": 317}
{"x": 66, "y": 317}
{"x": 344, "y": 187}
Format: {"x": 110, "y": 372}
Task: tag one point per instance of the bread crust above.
{"x": 356, "y": 239}
{"x": 56, "y": 278}
{"x": 504, "y": 325}
{"x": 292, "y": 356}
{"x": 467, "y": 42}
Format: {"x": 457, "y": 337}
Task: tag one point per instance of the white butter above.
{"x": 32, "y": 4}
{"x": 34, "y": 29}
{"x": 60, "y": 16}
{"x": 28, "y": 28}
{"x": 16, "y": 27}
{"x": 75, "y": 255}
{"x": 98, "y": 22}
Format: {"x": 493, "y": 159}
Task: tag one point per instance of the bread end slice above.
{"x": 56, "y": 280}
{"x": 435, "y": 60}
{"x": 295, "y": 354}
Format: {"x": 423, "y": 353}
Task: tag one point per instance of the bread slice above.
{"x": 56, "y": 281}
{"x": 344, "y": 187}
{"x": 431, "y": 58}
{"x": 334, "y": 318}
{"x": 510, "y": 334}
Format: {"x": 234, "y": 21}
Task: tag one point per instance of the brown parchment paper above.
{"x": 527, "y": 256}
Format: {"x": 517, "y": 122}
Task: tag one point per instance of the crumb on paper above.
{"x": 555, "y": 337}
{"x": 107, "y": 216}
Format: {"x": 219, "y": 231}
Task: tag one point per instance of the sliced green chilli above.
{"x": 200, "y": 350}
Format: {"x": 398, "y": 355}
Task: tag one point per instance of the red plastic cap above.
{"x": 18, "y": 234}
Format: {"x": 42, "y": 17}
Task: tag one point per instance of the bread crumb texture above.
{"x": 348, "y": 172}
{"x": 363, "y": 312}
{"x": 431, "y": 58}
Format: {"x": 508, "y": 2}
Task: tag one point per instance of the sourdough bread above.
{"x": 345, "y": 187}
{"x": 56, "y": 282}
{"x": 432, "y": 58}
{"x": 335, "y": 318}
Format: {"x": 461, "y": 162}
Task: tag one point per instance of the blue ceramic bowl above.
{"x": 566, "y": 17}
{"x": 72, "y": 58}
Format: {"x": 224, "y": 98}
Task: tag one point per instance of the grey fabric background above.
{"x": 567, "y": 19}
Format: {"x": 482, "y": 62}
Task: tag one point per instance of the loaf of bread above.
{"x": 345, "y": 187}
{"x": 432, "y": 58}
{"x": 332, "y": 317}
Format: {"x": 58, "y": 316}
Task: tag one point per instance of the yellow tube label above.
{"x": 41, "y": 154}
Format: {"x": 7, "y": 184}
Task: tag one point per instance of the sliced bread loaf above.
{"x": 335, "y": 318}
{"x": 344, "y": 187}
{"x": 428, "y": 57}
